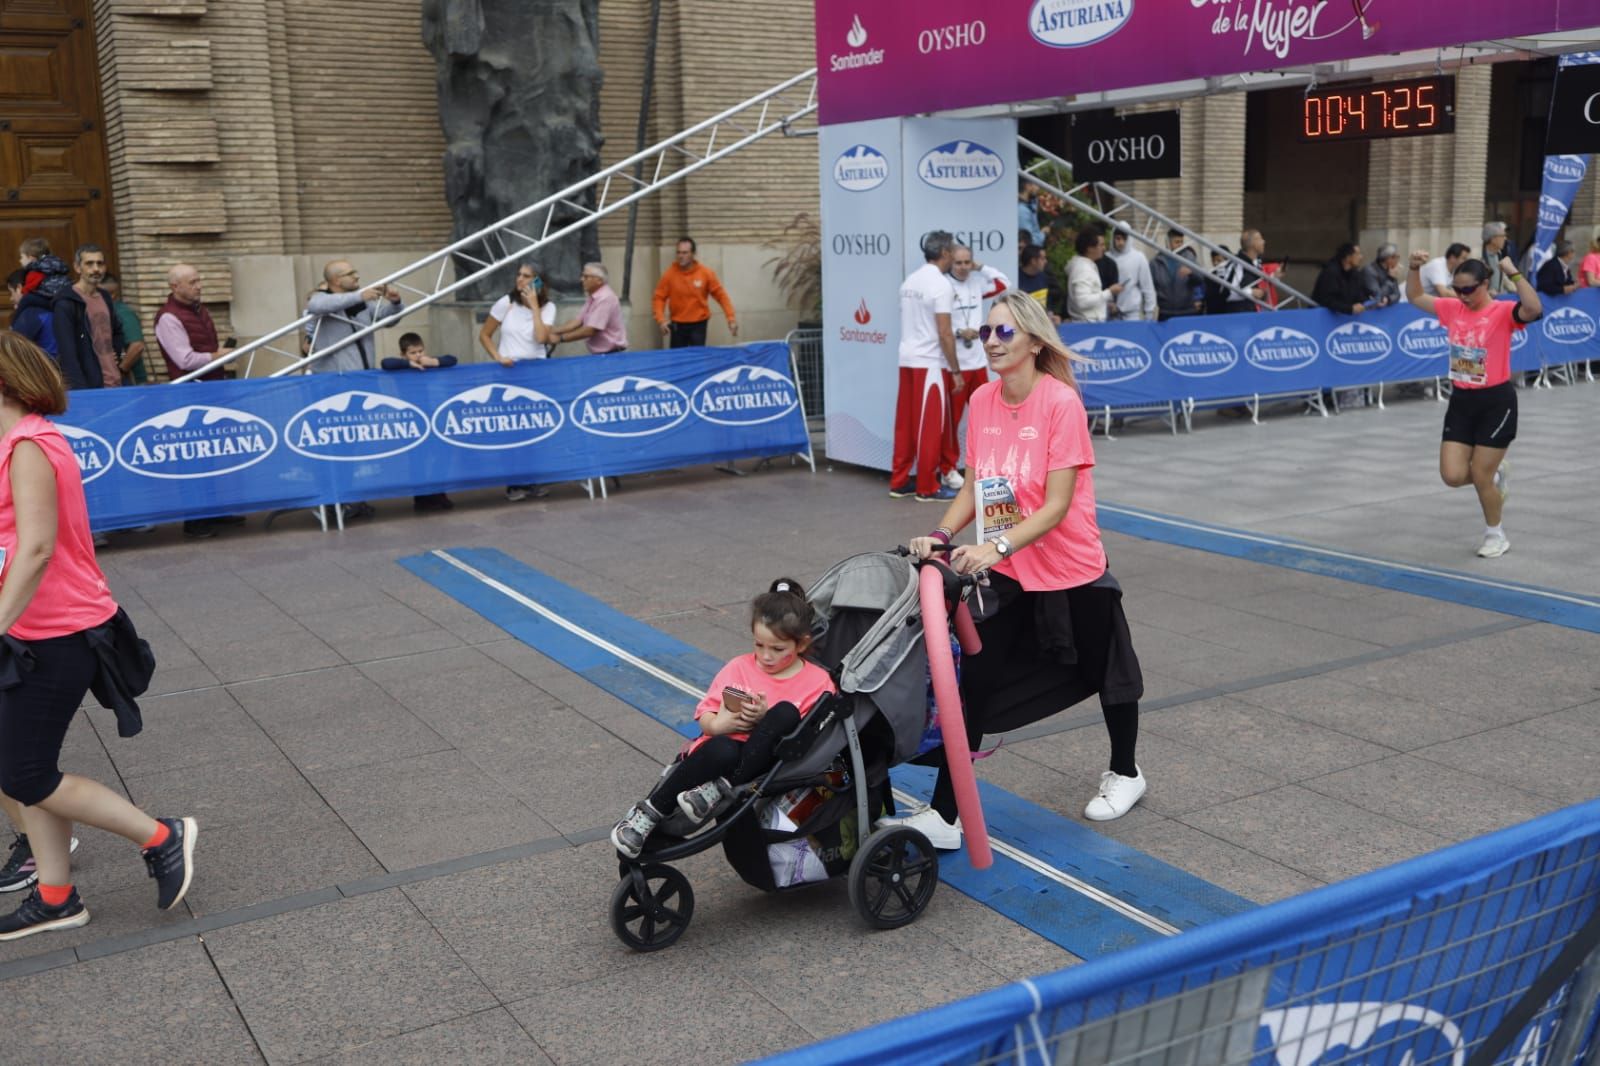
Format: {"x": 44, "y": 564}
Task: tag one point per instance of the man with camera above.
{"x": 343, "y": 310}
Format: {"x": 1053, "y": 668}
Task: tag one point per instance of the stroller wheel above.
{"x": 651, "y": 907}
{"x": 893, "y": 876}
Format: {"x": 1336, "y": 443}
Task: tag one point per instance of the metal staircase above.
{"x": 563, "y": 213}
{"x": 1125, "y": 213}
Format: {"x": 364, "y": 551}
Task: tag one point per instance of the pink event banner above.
{"x": 878, "y": 58}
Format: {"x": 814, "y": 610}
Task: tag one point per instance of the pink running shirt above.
{"x": 1048, "y": 431}
{"x": 743, "y": 672}
{"x": 73, "y": 595}
{"x": 1480, "y": 342}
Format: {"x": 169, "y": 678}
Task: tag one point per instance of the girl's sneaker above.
{"x": 700, "y": 801}
{"x": 20, "y": 870}
{"x": 630, "y": 834}
{"x": 35, "y": 916}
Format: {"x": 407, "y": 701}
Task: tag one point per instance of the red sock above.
{"x": 54, "y": 895}
{"x": 159, "y": 837}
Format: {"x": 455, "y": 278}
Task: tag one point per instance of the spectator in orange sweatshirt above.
{"x": 680, "y": 301}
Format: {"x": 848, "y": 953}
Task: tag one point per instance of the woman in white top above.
{"x": 524, "y": 318}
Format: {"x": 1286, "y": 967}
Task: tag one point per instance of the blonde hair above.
{"x": 30, "y": 376}
{"x": 1054, "y": 357}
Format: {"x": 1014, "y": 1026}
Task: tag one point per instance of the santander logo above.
{"x": 862, "y": 315}
{"x": 857, "y": 35}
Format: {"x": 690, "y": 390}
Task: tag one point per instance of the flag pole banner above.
{"x": 159, "y": 453}
{"x": 908, "y": 57}
{"x": 1563, "y": 174}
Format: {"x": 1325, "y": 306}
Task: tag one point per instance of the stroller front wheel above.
{"x": 651, "y": 907}
{"x": 893, "y": 876}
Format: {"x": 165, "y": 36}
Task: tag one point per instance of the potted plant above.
{"x": 798, "y": 270}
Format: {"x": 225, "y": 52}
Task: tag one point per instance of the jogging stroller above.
{"x": 809, "y": 818}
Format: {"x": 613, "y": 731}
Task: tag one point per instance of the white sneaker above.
{"x": 1494, "y": 545}
{"x": 927, "y": 821}
{"x": 1117, "y": 796}
{"x": 954, "y": 480}
{"x": 1502, "y": 479}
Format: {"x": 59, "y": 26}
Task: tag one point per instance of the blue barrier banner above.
{"x": 156, "y": 453}
{"x": 1216, "y": 357}
{"x": 1411, "y": 965}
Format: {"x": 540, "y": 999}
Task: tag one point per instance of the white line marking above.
{"x": 577, "y": 631}
{"x": 1038, "y": 866}
{"x": 1331, "y": 553}
{"x": 1061, "y": 877}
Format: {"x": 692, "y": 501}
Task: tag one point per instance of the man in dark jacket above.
{"x": 30, "y": 313}
{"x": 89, "y": 340}
{"x": 1176, "y": 291}
{"x": 1555, "y": 277}
{"x": 1341, "y": 286}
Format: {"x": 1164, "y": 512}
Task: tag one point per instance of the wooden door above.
{"x": 54, "y": 181}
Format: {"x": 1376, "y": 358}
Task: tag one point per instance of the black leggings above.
{"x": 1008, "y": 684}
{"x": 737, "y": 760}
{"x": 35, "y": 714}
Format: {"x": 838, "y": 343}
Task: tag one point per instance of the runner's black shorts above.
{"x": 1483, "y": 418}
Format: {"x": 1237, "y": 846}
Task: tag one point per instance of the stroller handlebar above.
{"x": 951, "y": 578}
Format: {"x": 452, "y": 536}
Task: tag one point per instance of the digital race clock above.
{"x": 1412, "y": 108}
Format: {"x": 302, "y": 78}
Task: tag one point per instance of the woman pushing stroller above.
{"x": 1051, "y": 620}
{"x": 754, "y": 701}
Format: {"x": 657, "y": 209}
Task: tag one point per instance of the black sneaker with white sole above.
{"x": 35, "y": 916}
{"x": 172, "y": 863}
{"x": 20, "y": 870}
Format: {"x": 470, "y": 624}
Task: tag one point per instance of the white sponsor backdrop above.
{"x": 884, "y": 184}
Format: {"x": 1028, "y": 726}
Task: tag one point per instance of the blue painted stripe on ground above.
{"x": 1471, "y": 590}
{"x": 1053, "y": 911}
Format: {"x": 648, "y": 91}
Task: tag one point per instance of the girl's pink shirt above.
{"x": 802, "y": 690}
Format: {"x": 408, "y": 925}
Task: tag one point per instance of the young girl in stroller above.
{"x": 754, "y": 701}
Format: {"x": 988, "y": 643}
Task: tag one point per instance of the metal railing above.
{"x": 805, "y": 347}
{"x": 563, "y": 213}
{"x": 1125, "y": 204}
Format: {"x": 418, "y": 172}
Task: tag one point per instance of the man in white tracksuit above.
{"x": 974, "y": 284}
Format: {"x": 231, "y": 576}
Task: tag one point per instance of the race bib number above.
{"x": 1468, "y": 366}
{"x": 997, "y": 508}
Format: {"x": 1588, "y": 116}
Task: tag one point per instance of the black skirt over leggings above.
{"x": 35, "y": 713}
{"x": 1042, "y": 653}
{"x": 739, "y": 761}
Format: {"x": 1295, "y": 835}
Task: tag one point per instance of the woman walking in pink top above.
{"x": 1051, "y": 620}
{"x": 754, "y": 701}
{"x": 52, "y": 597}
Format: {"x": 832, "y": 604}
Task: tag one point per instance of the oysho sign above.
{"x": 860, "y": 168}
{"x": 1075, "y": 23}
{"x": 196, "y": 441}
{"x": 953, "y": 37}
{"x": 745, "y": 396}
{"x": 961, "y": 166}
{"x": 629, "y": 407}
{"x": 492, "y": 417}
{"x": 1141, "y": 145}
{"x": 1198, "y": 354}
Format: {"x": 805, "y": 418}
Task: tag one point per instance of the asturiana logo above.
{"x": 196, "y": 441}
{"x": 1568, "y": 326}
{"x": 1426, "y": 338}
{"x": 92, "y": 451}
{"x": 1111, "y": 359}
{"x": 1281, "y": 348}
{"x": 1565, "y": 169}
{"x": 353, "y": 426}
{"x": 1552, "y": 211}
{"x": 1357, "y": 344}
{"x": 1075, "y": 23}
{"x": 744, "y": 396}
{"x": 860, "y": 168}
{"x": 491, "y": 417}
{"x": 1198, "y": 354}
{"x": 629, "y": 407}
{"x": 1519, "y": 338}
{"x": 961, "y": 166}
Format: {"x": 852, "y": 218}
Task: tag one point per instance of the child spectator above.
{"x": 46, "y": 273}
{"x": 30, "y": 313}
{"x": 414, "y": 356}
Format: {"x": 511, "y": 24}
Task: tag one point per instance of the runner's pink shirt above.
{"x": 1478, "y": 339}
{"x": 1050, "y": 431}
{"x": 802, "y": 690}
{"x": 73, "y": 595}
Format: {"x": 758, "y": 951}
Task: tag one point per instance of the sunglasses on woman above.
{"x": 1005, "y": 334}
{"x": 1467, "y": 290}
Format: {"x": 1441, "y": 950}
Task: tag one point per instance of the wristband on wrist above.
{"x": 941, "y": 534}
{"x": 1515, "y": 277}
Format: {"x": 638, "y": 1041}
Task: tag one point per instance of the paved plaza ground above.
{"x": 404, "y": 808}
